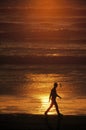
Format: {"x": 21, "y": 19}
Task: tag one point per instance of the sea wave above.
{"x": 42, "y": 59}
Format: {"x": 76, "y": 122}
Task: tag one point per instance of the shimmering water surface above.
{"x": 25, "y": 89}
{"x": 42, "y": 42}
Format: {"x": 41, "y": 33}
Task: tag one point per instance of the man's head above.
{"x": 55, "y": 85}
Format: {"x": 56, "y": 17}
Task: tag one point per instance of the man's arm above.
{"x": 58, "y": 96}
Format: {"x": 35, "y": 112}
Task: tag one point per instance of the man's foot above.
{"x": 45, "y": 113}
{"x": 60, "y": 115}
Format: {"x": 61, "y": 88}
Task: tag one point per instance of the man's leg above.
{"x": 56, "y": 106}
{"x": 49, "y": 108}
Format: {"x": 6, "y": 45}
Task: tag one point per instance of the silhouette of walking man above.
{"x": 52, "y": 97}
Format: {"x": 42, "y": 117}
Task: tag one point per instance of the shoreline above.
{"x": 42, "y": 122}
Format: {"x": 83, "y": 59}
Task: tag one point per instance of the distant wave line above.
{"x": 43, "y": 60}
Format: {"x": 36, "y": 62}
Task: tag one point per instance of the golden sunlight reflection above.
{"x": 43, "y": 10}
{"x": 34, "y": 96}
{"x": 40, "y": 89}
{"x": 50, "y": 78}
{"x": 45, "y": 104}
{"x": 44, "y": 3}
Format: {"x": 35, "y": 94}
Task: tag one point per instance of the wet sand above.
{"x": 41, "y": 122}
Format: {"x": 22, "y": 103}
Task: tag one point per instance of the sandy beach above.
{"x": 41, "y": 122}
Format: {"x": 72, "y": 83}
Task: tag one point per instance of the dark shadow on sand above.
{"x": 49, "y": 125}
{"x": 41, "y": 122}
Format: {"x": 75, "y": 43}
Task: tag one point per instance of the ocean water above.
{"x": 42, "y": 43}
{"x": 25, "y": 89}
